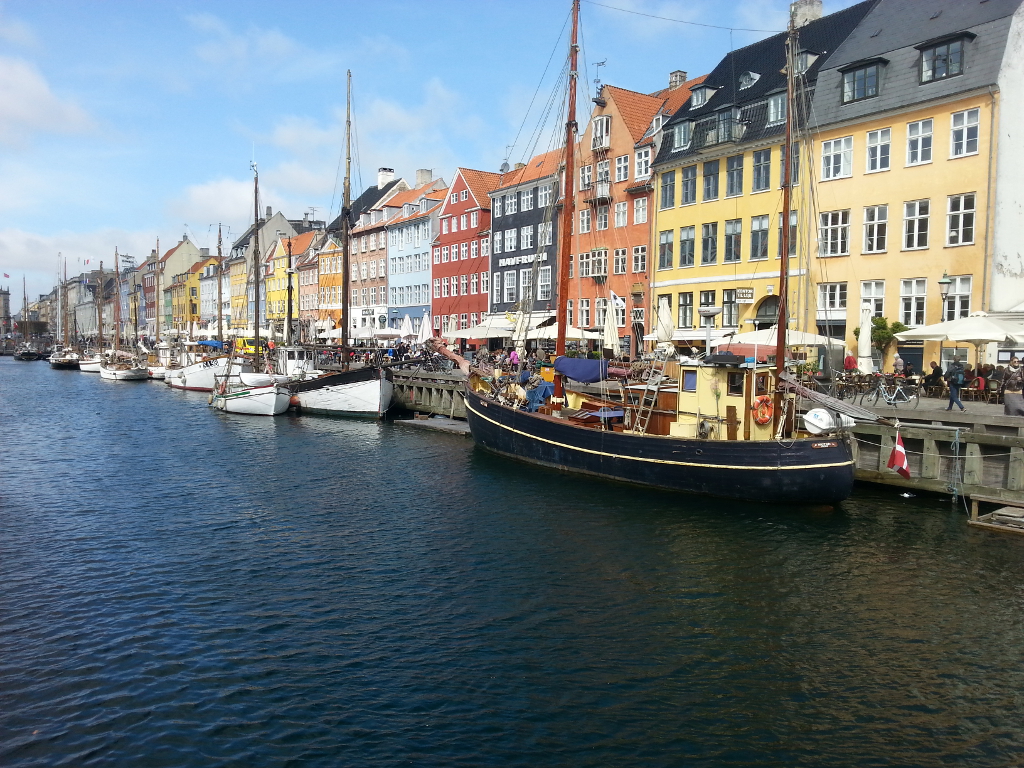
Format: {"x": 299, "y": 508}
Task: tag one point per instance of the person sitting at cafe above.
{"x": 1013, "y": 383}
{"x": 934, "y": 378}
{"x": 908, "y": 368}
{"x": 998, "y": 374}
{"x": 850, "y": 363}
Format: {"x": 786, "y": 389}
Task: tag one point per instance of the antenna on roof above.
{"x": 597, "y": 74}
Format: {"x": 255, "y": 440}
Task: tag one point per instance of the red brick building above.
{"x": 461, "y": 252}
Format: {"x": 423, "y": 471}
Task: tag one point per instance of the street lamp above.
{"x": 709, "y": 313}
{"x": 944, "y": 285}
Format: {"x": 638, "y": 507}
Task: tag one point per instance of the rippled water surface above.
{"x": 182, "y": 587}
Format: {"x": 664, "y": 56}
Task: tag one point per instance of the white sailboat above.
{"x": 120, "y": 366}
{"x": 362, "y": 392}
{"x": 252, "y": 394}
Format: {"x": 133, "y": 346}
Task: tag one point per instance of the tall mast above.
{"x": 24, "y": 311}
{"x": 99, "y": 311}
{"x": 220, "y": 286}
{"x": 64, "y": 316}
{"x": 784, "y": 243}
{"x": 346, "y": 202}
{"x": 288, "y": 320}
{"x": 156, "y": 290}
{"x": 256, "y": 262}
{"x": 568, "y": 198}
{"x": 117, "y": 301}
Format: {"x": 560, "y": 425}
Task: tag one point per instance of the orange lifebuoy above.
{"x": 764, "y": 409}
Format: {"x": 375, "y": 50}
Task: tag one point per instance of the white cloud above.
{"x": 35, "y": 256}
{"x": 31, "y": 107}
{"x": 14, "y": 32}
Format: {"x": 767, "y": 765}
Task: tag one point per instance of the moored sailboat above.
{"x": 120, "y": 365}
{"x": 253, "y": 394}
{"x": 720, "y": 426}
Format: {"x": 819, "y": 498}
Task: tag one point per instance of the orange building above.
{"x": 611, "y": 244}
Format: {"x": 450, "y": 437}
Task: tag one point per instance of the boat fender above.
{"x": 763, "y": 409}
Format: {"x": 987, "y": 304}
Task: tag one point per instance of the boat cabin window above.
{"x": 291, "y": 354}
{"x": 762, "y": 384}
{"x": 689, "y": 381}
{"x": 736, "y": 383}
{"x": 302, "y": 354}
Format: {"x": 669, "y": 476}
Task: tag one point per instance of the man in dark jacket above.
{"x": 955, "y": 380}
{"x": 1013, "y": 383}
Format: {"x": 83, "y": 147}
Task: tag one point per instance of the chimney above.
{"x": 384, "y": 175}
{"x": 424, "y": 176}
{"x": 270, "y": 212}
{"x": 305, "y": 218}
{"x": 204, "y": 252}
{"x": 519, "y": 166}
{"x": 676, "y": 79}
{"x": 805, "y": 11}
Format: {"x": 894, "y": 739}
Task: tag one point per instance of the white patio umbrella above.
{"x": 767, "y": 337}
{"x": 978, "y": 329}
{"x": 572, "y": 333}
{"x": 426, "y": 331}
{"x": 492, "y": 327}
{"x": 610, "y": 337}
{"x": 386, "y": 333}
{"x": 406, "y": 331}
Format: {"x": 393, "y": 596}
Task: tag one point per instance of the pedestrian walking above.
{"x": 955, "y": 380}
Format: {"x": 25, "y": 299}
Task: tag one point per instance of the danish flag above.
{"x": 898, "y": 458}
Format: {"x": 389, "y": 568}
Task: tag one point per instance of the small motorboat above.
{"x": 253, "y": 394}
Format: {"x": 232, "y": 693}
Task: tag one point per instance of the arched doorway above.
{"x": 767, "y": 313}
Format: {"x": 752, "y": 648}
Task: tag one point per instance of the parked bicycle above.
{"x": 893, "y": 391}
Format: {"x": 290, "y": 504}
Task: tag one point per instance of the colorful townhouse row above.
{"x": 905, "y": 186}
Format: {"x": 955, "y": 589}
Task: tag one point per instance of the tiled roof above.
{"x": 765, "y": 58}
{"x": 676, "y": 97}
{"x": 480, "y": 183}
{"x": 637, "y": 109}
{"x": 417, "y": 214}
{"x": 413, "y": 195}
{"x": 300, "y": 243}
{"x": 539, "y": 167}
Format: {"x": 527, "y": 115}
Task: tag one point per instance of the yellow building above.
{"x": 891, "y": 201}
{"x": 184, "y": 293}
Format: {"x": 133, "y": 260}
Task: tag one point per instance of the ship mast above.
{"x": 568, "y": 187}
{"x": 288, "y": 320}
{"x": 156, "y": 291}
{"x": 256, "y": 263}
{"x": 117, "y": 301}
{"x": 99, "y": 311}
{"x": 346, "y": 202}
{"x": 220, "y": 286}
{"x": 66, "y": 315}
{"x": 784, "y": 243}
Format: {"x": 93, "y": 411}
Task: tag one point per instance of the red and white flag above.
{"x": 898, "y": 458}
{"x": 6, "y": 275}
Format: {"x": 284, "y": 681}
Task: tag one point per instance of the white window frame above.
{"x": 962, "y": 125}
{"x": 920, "y": 142}
{"x": 622, "y": 168}
{"x": 916, "y": 225}
{"x": 961, "y": 219}
{"x": 958, "y": 300}
{"x": 834, "y": 233}
{"x": 642, "y": 163}
{"x": 639, "y": 259}
{"x": 876, "y": 227}
{"x": 873, "y": 292}
{"x": 913, "y": 301}
{"x": 837, "y": 158}
{"x": 621, "y": 214}
{"x": 879, "y": 150}
{"x": 584, "y": 221}
{"x": 640, "y": 210}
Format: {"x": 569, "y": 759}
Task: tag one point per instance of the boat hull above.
{"x": 65, "y": 364}
{"x": 364, "y": 393}
{"x": 802, "y": 471}
{"x": 90, "y": 366}
{"x": 201, "y": 376}
{"x": 124, "y": 374}
{"x": 256, "y": 401}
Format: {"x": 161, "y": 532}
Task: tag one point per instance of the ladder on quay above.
{"x": 649, "y": 398}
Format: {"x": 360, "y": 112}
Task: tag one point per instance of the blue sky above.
{"x": 121, "y": 122}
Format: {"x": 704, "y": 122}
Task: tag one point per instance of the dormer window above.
{"x": 747, "y": 79}
{"x": 804, "y": 59}
{"x": 656, "y": 123}
{"x": 682, "y": 134}
{"x": 423, "y": 205}
{"x": 777, "y": 109}
{"x": 861, "y": 79}
{"x": 700, "y": 96}
{"x": 943, "y": 58}
{"x": 602, "y": 134}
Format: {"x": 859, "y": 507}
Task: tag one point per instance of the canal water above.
{"x": 182, "y": 587}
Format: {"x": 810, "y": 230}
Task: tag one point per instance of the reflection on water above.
{"x": 185, "y": 587}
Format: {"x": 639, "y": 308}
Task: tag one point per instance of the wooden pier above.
{"x": 977, "y": 453}
{"x": 430, "y": 393}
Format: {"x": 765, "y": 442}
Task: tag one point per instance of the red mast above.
{"x": 568, "y": 188}
{"x": 787, "y": 191}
